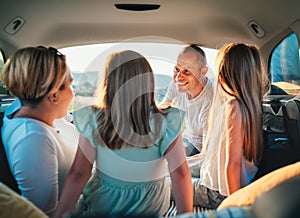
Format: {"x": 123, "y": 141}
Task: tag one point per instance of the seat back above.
{"x": 6, "y": 176}
{"x": 292, "y": 122}
{"x": 278, "y": 147}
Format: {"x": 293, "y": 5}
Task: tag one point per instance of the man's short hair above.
{"x": 198, "y": 51}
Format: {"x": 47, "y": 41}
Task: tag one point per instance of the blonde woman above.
{"x": 131, "y": 140}
{"x": 38, "y": 153}
{"x": 233, "y": 147}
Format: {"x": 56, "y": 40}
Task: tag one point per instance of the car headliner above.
{"x": 207, "y": 23}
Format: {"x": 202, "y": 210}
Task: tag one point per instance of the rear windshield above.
{"x": 87, "y": 64}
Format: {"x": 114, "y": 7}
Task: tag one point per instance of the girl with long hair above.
{"x": 132, "y": 142}
{"x": 234, "y": 142}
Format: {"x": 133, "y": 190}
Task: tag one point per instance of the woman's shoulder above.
{"x": 28, "y": 135}
{"x": 25, "y": 126}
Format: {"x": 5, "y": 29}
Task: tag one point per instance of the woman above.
{"x": 38, "y": 152}
{"x": 132, "y": 140}
{"x": 233, "y": 147}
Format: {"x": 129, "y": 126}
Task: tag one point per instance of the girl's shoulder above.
{"x": 85, "y": 119}
{"x": 233, "y": 108}
{"x": 231, "y": 101}
{"x": 86, "y": 113}
{"x": 171, "y": 126}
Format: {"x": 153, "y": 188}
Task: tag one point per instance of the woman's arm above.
{"x": 234, "y": 146}
{"x": 180, "y": 176}
{"x": 34, "y": 166}
{"x": 76, "y": 179}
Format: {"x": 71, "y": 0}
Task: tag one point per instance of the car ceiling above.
{"x": 209, "y": 23}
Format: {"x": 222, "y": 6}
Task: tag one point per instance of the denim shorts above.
{"x": 205, "y": 197}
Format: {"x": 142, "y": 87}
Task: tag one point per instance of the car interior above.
{"x": 159, "y": 29}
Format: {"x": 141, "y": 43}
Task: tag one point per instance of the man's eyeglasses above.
{"x": 183, "y": 71}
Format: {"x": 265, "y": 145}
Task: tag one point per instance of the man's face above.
{"x": 187, "y": 73}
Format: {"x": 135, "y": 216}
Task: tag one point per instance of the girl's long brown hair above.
{"x": 240, "y": 68}
{"x": 127, "y": 101}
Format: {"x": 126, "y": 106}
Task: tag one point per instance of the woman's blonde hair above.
{"x": 241, "y": 70}
{"x": 32, "y": 72}
{"x": 127, "y": 101}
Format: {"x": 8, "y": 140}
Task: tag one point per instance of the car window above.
{"x": 87, "y": 64}
{"x": 285, "y": 65}
{"x": 3, "y": 91}
{"x": 1, "y": 61}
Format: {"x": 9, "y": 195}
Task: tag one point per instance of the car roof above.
{"x": 206, "y": 23}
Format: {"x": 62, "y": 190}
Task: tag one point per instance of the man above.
{"x": 192, "y": 92}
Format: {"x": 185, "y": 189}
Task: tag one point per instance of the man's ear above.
{"x": 53, "y": 97}
{"x": 204, "y": 70}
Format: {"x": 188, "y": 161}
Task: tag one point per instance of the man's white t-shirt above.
{"x": 196, "y": 109}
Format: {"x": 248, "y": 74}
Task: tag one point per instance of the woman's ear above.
{"x": 53, "y": 97}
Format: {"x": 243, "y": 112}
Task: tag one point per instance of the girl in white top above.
{"x": 233, "y": 148}
{"x": 38, "y": 152}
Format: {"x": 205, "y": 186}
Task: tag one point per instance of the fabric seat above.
{"x": 13, "y": 205}
{"x": 6, "y": 176}
{"x": 292, "y": 122}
